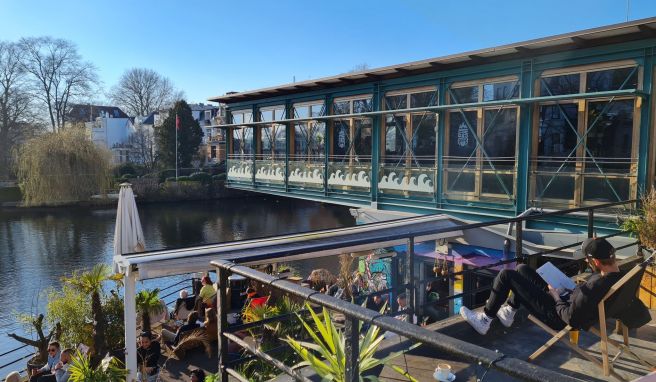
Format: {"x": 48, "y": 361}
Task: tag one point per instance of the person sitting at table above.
{"x": 62, "y": 374}
{"x": 197, "y": 375}
{"x": 191, "y": 324}
{"x": 183, "y": 306}
{"x": 45, "y": 373}
{"x": 148, "y": 355}
{"x": 205, "y": 296}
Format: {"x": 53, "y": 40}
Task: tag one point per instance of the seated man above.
{"x": 61, "y": 368}
{"x": 45, "y": 373}
{"x": 554, "y": 307}
{"x": 148, "y": 355}
{"x": 183, "y": 306}
{"x": 191, "y": 324}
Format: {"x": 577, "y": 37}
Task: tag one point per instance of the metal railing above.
{"x": 354, "y": 313}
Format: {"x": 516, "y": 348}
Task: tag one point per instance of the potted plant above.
{"x": 148, "y": 304}
{"x": 110, "y": 369}
{"x": 643, "y": 224}
{"x": 326, "y": 355}
{"x": 42, "y": 341}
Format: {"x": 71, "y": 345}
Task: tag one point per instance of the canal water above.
{"x": 39, "y": 246}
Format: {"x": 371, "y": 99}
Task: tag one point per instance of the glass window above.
{"x": 341, "y": 139}
{"x": 343, "y": 107}
{"x": 464, "y": 95}
{"x": 302, "y": 111}
{"x": 611, "y": 135}
{"x": 559, "y": 85}
{"x": 317, "y": 110}
{"x": 266, "y": 115}
{"x": 423, "y": 99}
{"x": 237, "y": 118}
{"x": 394, "y": 138}
{"x": 499, "y": 137}
{"x": 424, "y": 137}
{"x": 500, "y": 91}
{"x": 612, "y": 79}
{"x": 557, "y": 136}
{"x": 279, "y": 114}
{"x": 362, "y": 105}
{"x": 396, "y": 102}
{"x": 598, "y": 189}
{"x": 363, "y": 138}
{"x": 462, "y": 143}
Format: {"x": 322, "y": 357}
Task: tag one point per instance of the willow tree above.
{"x": 62, "y": 167}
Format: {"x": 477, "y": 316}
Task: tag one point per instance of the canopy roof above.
{"x": 632, "y": 30}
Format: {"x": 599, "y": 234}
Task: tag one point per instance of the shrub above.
{"x": 166, "y": 174}
{"x": 184, "y": 179}
{"x": 202, "y": 177}
{"x": 219, "y": 177}
{"x": 124, "y": 169}
{"x": 72, "y": 309}
{"x": 126, "y": 177}
{"x": 62, "y": 167}
{"x": 171, "y": 179}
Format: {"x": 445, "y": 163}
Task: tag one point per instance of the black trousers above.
{"x": 43, "y": 378}
{"x": 529, "y": 290}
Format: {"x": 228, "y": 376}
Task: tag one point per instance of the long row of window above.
{"x": 583, "y": 151}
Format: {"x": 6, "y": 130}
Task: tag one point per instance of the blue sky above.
{"x": 209, "y": 47}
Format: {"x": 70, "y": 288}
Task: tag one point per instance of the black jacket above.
{"x": 580, "y": 310}
{"x": 149, "y": 357}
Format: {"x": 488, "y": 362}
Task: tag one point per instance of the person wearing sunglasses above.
{"x": 45, "y": 373}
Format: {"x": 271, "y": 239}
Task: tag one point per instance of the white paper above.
{"x": 554, "y": 277}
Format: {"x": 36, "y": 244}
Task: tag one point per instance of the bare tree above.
{"x": 142, "y": 142}
{"x": 16, "y": 117}
{"x": 360, "y": 68}
{"x": 60, "y": 76}
{"x": 141, "y": 91}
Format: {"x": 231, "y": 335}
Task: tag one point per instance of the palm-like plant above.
{"x": 148, "y": 304}
{"x": 91, "y": 283}
{"x": 109, "y": 370}
{"x": 327, "y": 355}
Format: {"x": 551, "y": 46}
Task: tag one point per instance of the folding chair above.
{"x": 618, "y": 298}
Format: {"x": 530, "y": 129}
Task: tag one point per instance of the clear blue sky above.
{"x": 209, "y": 47}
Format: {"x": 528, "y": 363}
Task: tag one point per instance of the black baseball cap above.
{"x": 598, "y": 248}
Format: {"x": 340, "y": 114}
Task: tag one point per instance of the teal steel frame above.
{"x": 528, "y": 70}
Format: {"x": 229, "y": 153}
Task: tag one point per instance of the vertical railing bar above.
{"x": 222, "y": 323}
{"x": 590, "y": 222}
{"x": 352, "y": 350}
{"x": 410, "y": 276}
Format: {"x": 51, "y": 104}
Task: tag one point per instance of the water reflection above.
{"x": 38, "y": 247}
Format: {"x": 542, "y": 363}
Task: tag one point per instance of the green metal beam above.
{"x": 645, "y": 122}
{"x": 525, "y": 130}
{"x": 513, "y": 102}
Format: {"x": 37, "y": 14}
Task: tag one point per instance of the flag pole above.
{"x": 177, "y": 126}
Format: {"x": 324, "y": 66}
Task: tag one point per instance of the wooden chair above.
{"x": 618, "y": 298}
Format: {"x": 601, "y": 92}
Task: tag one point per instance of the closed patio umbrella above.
{"x": 128, "y": 235}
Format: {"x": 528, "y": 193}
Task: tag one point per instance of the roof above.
{"x": 87, "y": 113}
{"x": 202, "y": 106}
{"x": 150, "y": 118}
{"x": 615, "y": 33}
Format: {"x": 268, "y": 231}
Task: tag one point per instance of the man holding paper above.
{"x": 552, "y": 304}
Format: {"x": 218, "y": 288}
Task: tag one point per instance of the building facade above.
{"x": 558, "y": 122}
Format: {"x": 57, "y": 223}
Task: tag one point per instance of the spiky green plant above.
{"x": 91, "y": 283}
{"x": 327, "y": 354}
{"x": 109, "y": 370}
{"x": 148, "y": 304}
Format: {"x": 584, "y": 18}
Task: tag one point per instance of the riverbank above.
{"x": 146, "y": 191}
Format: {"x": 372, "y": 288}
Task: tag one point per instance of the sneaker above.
{"x": 478, "y": 320}
{"x": 507, "y": 315}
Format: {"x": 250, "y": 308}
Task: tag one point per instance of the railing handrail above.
{"x": 455, "y": 347}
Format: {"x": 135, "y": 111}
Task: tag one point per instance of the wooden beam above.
{"x": 403, "y": 70}
{"x": 578, "y": 41}
{"x": 437, "y": 65}
{"x": 651, "y": 32}
{"x": 372, "y": 76}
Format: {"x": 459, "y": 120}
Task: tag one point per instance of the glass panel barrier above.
{"x": 306, "y": 173}
{"x": 270, "y": 172}
{"x": 407, "y": 181}
{"x": 343, "y": 176}
{"x": 239, "y": 170}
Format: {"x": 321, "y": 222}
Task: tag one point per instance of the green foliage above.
{"x": 171, "y": 179}
{"x": 326, "y": 355}
{"x": 202, "y": 177}
{"x": 10, "y": 194}
{"x": 126, "y": 177}
{"x": 148, "y": 303}
{"x": 109, "y": 370}
{"x": 72, "y": 308}
{"x": 112, "y": 306}
{"x": 125, "y": 169}
{"x": 184, "y": 179}
{"x": 219, "y": 177}
{"x": 189, "y": 137}
{"x": 165, "y": 175}
{"x": 62, "y": 167}
{"x": 643, "y": 224}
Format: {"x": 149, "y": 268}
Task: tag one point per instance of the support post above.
{"x": 375, "y": 145}
{"x": 524, "y": 141}
{"x": 410, "y": 277}
{"x": 441, "y": 129}
{"x": 222, "y": 322}
{"x": 394, "y": 274}
{"x": 352, "y": 350}
{"x": 590, "y": 223}
{"x": 289, "y": 130}
{"x": 130, "y": 319}
{"x": 645, "y": 123}
{"x": 519, "y": 247}
{"x": 327, "y": 141}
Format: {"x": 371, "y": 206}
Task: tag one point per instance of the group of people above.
{"x": 56, "y": 368}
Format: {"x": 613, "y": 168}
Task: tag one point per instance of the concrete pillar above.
{"x": 130, "y": 317}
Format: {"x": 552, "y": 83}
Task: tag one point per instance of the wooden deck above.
{"x": 518, "y": 342}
